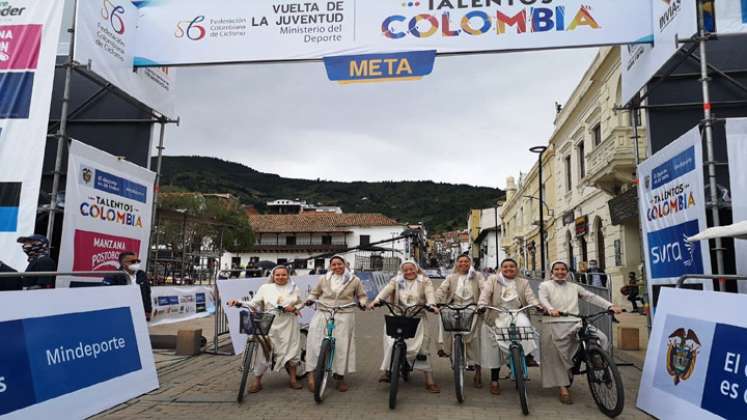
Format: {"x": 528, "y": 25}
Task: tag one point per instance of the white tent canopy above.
{"x": 737, "y": 230}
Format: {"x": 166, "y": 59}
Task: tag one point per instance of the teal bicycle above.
{"x": 327, "y": 351}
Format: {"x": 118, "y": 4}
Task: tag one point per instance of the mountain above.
{"x": 440, "y": 206}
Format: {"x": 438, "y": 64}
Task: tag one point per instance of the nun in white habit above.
{"x": 285, "y": 333}
{"x": 410, "y": 287}
{"x": 559, "y": 339}
{"x": 461, "y": 288}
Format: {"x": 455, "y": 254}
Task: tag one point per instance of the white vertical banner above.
{"x": 108, "y": 210}
{"x": 105, "y": 39}
{"x": 736, "y": 143}
{"x": 731, "y": 16}
{"x": 672, "y": 208}
{"x": 29, "y": 31}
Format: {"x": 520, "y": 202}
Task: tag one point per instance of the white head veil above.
{"x": 347, "y": 275}
{"x": 471, "y": 273}
{"x": 568, "y": 276}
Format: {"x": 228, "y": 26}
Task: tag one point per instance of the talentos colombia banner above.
{"x": 173, "y": 32}
{"x": 108, "y": 206}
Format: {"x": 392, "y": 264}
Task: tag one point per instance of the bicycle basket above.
{"x": 515, "y": 334}
{"x": 457, "y": 321}
{"x": 401, "y": 326}
{"x": 258, "y": 323}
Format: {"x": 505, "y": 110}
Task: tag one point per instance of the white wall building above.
{"x": 297, "y": 238}
{"x": 488, "y": 234}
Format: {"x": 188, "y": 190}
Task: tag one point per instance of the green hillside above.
{"x": 440, "y": 206}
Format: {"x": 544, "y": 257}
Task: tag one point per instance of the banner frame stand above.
{"x": 635, "y": 105}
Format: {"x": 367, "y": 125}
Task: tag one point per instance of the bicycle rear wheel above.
{"x": 246, "y": 365}
{"x": 605, "y": 382}
{"x": 517, "y": 360}
{"x": 321, "y": 373}
{"x": 394, "y": 369}
{"x": 458, "y": 360}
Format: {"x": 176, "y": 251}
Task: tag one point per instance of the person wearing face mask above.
{"x": 461, "y": 288}
{"x": 559, "y": 339}
{"x": 410, "y": 287}
{"x": 338, "y": 287}
{"x": 285, "y": 332}
{"x": 132, "y": 273}
{"x": 598, "y": 277}
{"x": 504, "y": 290}
{"x": 36, "y": 248}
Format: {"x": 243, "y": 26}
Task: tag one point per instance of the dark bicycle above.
{"x": 401, "y": 325}
{"x": 601, "y": 371}
{"x": 514, "y": 335}
{"x": 458, "y": 321}
{"x": 257, "y": 326}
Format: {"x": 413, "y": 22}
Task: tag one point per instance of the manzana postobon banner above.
{"x": 180, "y": 32}
{"x": 29, "y": 31}
{"x": 108, "y": 210}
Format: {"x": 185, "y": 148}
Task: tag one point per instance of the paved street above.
{"x": 205, "y": 387}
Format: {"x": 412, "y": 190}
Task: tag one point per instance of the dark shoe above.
{"x": 566, "y": 399}
{"x": 433, "y": 388}
{"x": 384, "y": 378}
{"x": 531, "y": 362}
{"x": 442, "y": 353}
{"x": 495, "y": 388}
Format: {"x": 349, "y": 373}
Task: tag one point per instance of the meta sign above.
{"x": 81, "y": 351}
{"x": 380, "y": 67}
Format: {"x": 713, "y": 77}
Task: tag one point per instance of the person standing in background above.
{"x": 36, "y": 247}
{"x": 132, "y": 273}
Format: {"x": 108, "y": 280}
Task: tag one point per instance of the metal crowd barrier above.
{"x": 60, "y": 273}
{"x": 721, "y": 278}
{"x": 604, "y": 324}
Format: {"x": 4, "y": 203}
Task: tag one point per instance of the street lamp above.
{"x": 540, "y": 150}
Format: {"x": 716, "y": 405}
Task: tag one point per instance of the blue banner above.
{"x": 671, "y": 255}
{"x": 673, "y": 168}
{"x": 380, "y": 67}
{"x": 46, "y": 357}
{"x": 725, "y": 390}
{"x": 15, "y": 94}
{"x": 120, "y": 186}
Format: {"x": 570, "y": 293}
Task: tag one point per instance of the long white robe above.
{"x": 421, "y": 343}
{"x": 464, "y": 295}
{"x": 285, "y": 333}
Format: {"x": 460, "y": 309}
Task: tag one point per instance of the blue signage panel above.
{"x": 671, "y": 255}
{"x": 673, "y": 168}
{"x": 725, "y": 390}
{"x": 46, "y": 357}
{"x": 15, "y": 94}
{"x": 380, "y": 67}
{"x": 120, "y": 186}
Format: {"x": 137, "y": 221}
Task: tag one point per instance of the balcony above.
{"x": 300, "y": 248}
{"x": 612, "y": 162}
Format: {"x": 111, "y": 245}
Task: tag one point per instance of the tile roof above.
{"x": 317, "y": 222}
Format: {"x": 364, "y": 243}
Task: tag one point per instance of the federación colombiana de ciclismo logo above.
{"x": 191, "y": 29}
{"x": 449, "y": 18}
{"x": 682, "y": 354}
{"x": 113, "y": 14}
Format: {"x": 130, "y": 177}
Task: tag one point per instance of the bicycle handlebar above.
{"x": 455, "y": 308}
{"x": 404, "y": 311}
{"x": 508, "y": 311}
{"x": 590, "y": 316}
{"x": 332, "y": 307}
{"x": 278, "y": 308}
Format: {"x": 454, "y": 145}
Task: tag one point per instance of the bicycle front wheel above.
{"x": 323, "y": 368}
{"x": 394, "y": 369}
{"x": 605, "y": 382}
{"x": 246, "y": 366}
{"x": 458, "y": 360}
{"x": 520, "y": 376}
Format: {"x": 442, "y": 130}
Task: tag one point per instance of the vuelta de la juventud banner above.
{"x": 108, "y": 210}
{"x": 174, "y": 32}
{"x": 29, "y": 31}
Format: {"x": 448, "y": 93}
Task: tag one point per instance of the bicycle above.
{"x": 257, "y": 325}
{"x": 458, "y": 321}
{"x": 601, "y": 371}
{"x": 401, "y": 325}
{"x": 517, "y": 358}
{"x": 327, "y": 351}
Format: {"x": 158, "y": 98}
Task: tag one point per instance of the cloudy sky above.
{"x": 471, "y": 121}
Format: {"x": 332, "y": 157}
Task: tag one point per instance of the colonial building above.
{"x": 594, "y": 171}
{"x": 520, "y": 214}
{"x": 307, "y": 240}
{"x": 484, "y": 226}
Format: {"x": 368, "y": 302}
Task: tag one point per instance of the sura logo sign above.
{"x": 191, "y": 29}
{"x": 670, "y": 14}
{"x": 670, "y": 253}
{"x": 113, "y": 13}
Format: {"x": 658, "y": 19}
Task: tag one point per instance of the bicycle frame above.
{"x": 330, "y": 328}
{"x": 514, "y": 337}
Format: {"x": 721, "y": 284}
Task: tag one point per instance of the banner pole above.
{"x": 156, "y": 222}
{"x": 62, "y": 131}
{"x": 708, "y": 131}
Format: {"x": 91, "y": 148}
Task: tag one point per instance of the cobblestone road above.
{"x": 204, "y": 387}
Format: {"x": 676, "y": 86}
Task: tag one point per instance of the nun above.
{"x": 336, "y": 288}
{"x": 285, "y": 332}
{"x": 410, "y": 287}
{"x": 559, "y": 339}
{"x": 510, "y": 291}
{"x": 460, "y": 288}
